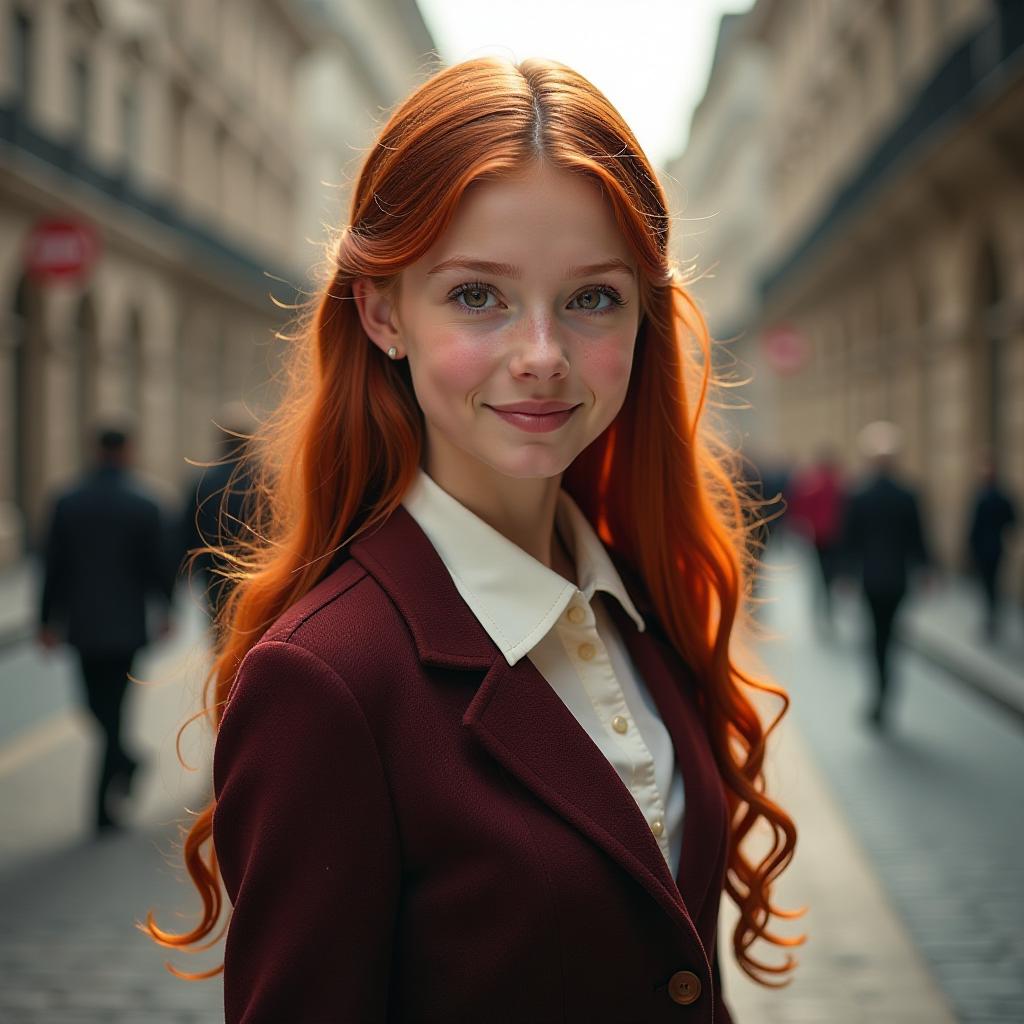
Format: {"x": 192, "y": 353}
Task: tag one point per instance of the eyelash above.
{"x": 603, "y": 289}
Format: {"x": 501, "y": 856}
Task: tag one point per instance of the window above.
{"x": 80, "y": 96}
{"x": 21, "y": 57}
{"x": 130, "y": 125}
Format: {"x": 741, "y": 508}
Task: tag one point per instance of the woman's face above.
{"x": 530, "y": 295}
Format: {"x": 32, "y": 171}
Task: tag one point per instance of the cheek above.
{"x": 606, "y": 367}
{"x": 455, "y": 367}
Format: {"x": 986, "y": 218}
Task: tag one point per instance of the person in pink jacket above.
{"x": 817, "y": 506}
{"x": 483, "y": 752}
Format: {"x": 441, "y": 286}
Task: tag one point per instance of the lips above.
{"x": 537, "y": 423}
{"x": 536, "y": 408}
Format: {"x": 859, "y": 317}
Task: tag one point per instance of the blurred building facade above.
{"x": 180, "y": 145}
{"x": 716, "y": 190}
{"x": 891, "y": 246}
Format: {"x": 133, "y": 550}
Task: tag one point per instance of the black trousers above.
{"x": 883, "y": 606}
{"x": 105, "y": 679}
{"x": 828, "y": 564}
{"x": 988, "y": 576}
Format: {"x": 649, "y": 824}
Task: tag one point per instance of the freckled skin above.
{"x": 533, "y": 348}
{"x": 534, "y": 339}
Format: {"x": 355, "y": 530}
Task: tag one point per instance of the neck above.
{"x": 521, "y": 510}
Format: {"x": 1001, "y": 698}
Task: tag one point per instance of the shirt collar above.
{"x": 516, "y": 598}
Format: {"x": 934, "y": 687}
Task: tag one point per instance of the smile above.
{"x": 533, "y": 424}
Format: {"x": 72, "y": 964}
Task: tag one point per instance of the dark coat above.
{"x": 410, "y": 829}
{"x": 883, "y": 535}
{"x": 215, "y": 510}
{"x": 993, "y": 515}
{"x": 105, "y": 553}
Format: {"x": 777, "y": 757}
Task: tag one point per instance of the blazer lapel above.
{"x": 524, "y": 724}
{"x": 517, "y": 717}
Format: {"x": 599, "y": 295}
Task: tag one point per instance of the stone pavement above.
{"x": 69, "y": 953}
{"x": 858, "y": 965}
{"x": 69, "y": 950}
{"x": 944, "y": 625}
{"x": 934, "y": 802}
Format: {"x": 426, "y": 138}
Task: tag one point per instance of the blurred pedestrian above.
{"x": 993, "y": 516}
{"x": 104, "y": 555}
{"x": 884, "y": 540}
{"x": 816, "y": 507}
{"x": 761, "y": 480}
{"x": 214, "y": 510}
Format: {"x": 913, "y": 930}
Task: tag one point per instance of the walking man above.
{"x": 105, "y": 553}
{"x": 992, "y": 518}
{"x": 884, "y": 539}
{"x": 216, "y": 508}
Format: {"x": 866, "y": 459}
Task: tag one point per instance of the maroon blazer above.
{"x": 409, "y": 829}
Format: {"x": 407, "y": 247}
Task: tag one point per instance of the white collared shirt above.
{"x": 530, "y": 610}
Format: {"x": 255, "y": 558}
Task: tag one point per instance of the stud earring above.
{"x": 393, "y": 352}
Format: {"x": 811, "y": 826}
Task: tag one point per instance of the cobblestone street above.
{"x": 934, "y": 803}
{"x": 70, "y": 952}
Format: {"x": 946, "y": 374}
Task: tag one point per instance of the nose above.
{"x": 541, "y": 351}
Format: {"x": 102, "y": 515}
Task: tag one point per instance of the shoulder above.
{"x": 324, "y": 603}
{"x": 348, "y": 625}
{"x": 861, "y": 494}
{"x": 135, "y": 492}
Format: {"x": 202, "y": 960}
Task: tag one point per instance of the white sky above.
{"x": 649, "y": 57}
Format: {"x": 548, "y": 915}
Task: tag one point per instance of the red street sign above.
{"x": 60, "y": 249}
{"x": 785, "y": 349}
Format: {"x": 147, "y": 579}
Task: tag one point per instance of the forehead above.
{"x": 543, "y": 217}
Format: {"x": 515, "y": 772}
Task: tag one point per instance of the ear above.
{"x": 377, "y": 313}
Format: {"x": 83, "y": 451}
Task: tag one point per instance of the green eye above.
{"x": 589, "y": 299}
{"x": 471, "y": 297}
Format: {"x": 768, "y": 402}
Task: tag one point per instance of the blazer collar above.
{"x": 524, "y": 725}
{"x": 514, "y": 597}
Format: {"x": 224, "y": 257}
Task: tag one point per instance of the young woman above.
{"x": 483, "y": 753}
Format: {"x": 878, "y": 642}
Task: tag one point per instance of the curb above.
{"x": 1001, "y": 687}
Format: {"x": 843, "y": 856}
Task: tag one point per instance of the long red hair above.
{"x": 339, "y": 452}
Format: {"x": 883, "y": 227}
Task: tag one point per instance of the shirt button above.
{"x": 576, "y": 614}
{"x": 684, "y": 987}
{"x": 619, "y": 724}
{"x": 657, "y": 826}
{"x": 586, "y": 651}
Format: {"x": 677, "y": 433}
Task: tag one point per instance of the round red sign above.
{"x": 61, "y": 249}
{"x": 785, "y": 349}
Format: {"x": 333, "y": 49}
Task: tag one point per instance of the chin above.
{"x": 530, "y": 465}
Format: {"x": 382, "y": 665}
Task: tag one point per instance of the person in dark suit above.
{"x": 104, "y": 555}
{"x": 215, "y": 509}
{"x": 992, "y": 517}
{"x": 884, "y": 539}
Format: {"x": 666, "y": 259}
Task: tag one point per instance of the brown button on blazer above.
{"x": 410, "y": 829}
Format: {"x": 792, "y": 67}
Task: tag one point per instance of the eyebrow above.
{"x": 515, "y": 273}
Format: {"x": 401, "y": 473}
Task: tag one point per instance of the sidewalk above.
{"x": 69, "y": 951}
{"x": 945, "y": 626}
{"x": 19, "y": 595}
{"x": 933, "y": 800}
{"x": 859, "y": 965}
